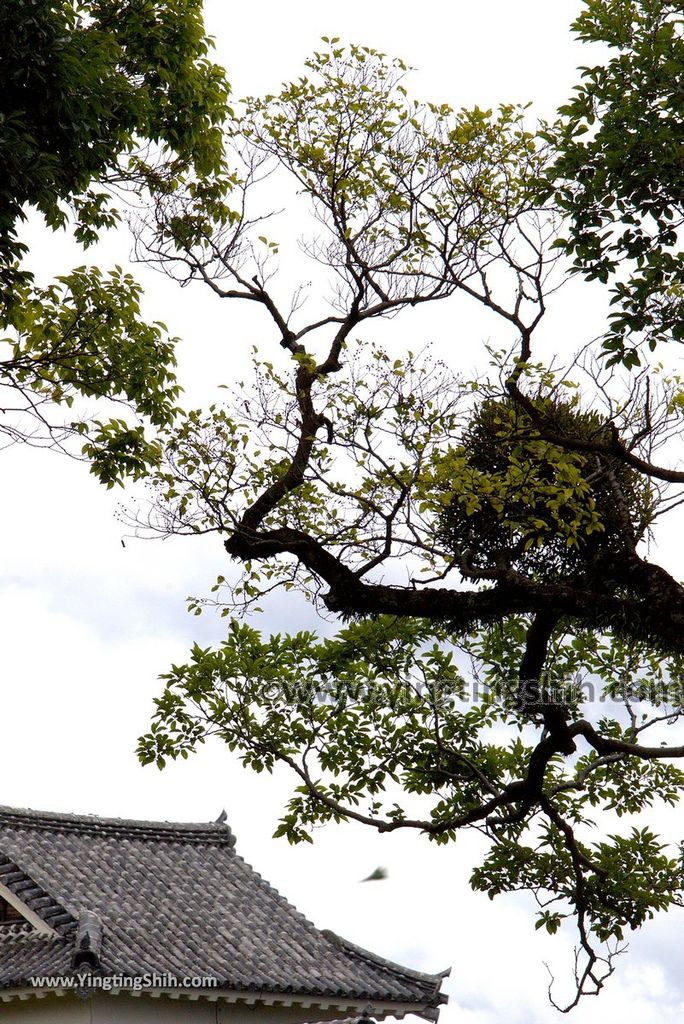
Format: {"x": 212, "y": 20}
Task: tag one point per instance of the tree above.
{"x": 96, "y": 98}
{"x": 483, "y": 533}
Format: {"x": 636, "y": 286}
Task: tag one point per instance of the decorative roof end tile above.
{"x": 88, "y": 945}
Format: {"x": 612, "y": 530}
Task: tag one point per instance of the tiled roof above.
{"x": 176, "y": 899}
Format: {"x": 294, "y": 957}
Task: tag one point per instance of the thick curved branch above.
{"x": 532, "y": 665}
{"x": 606, "y": 745}
{"x": 614, "y": 448}
{"x": 655, "y": 609}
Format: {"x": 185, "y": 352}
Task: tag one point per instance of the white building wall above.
{"x": 124, "y": 1009}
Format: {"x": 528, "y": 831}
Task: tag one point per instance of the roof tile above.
{"x": 177, "y": 899}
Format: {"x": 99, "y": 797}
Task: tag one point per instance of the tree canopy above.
{"x": 85, "y": 87}
{"x": 473, "y": 538}
{"x": 97, "y": 98}
{"x": 619, "y": 173}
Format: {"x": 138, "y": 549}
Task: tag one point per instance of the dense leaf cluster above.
{"x": 510, "y": 498}
{"x": 83, "y": 85}
{"x": 97, "y": 97}
{"x": 620, "y": 172}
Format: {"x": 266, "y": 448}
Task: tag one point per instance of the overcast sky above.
{"x": 89, "y": 624}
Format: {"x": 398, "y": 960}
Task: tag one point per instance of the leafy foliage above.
{"x": 82, "y": 337}
{"x": 380, "y": 724}
{"x": 619, "y": 171}
{"x": 96, "y": 98}
{"x": 406, "y": 185}
{"x": 82, "y": 86}
{"x": 508, "y": 496}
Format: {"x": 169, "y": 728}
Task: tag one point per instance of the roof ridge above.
{"x": 390, "y": 966}
{"x": 192, "y": 832}
{"x": 381, "y": 961}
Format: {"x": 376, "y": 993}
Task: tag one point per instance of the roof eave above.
{"x": 378, "y": 1009}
